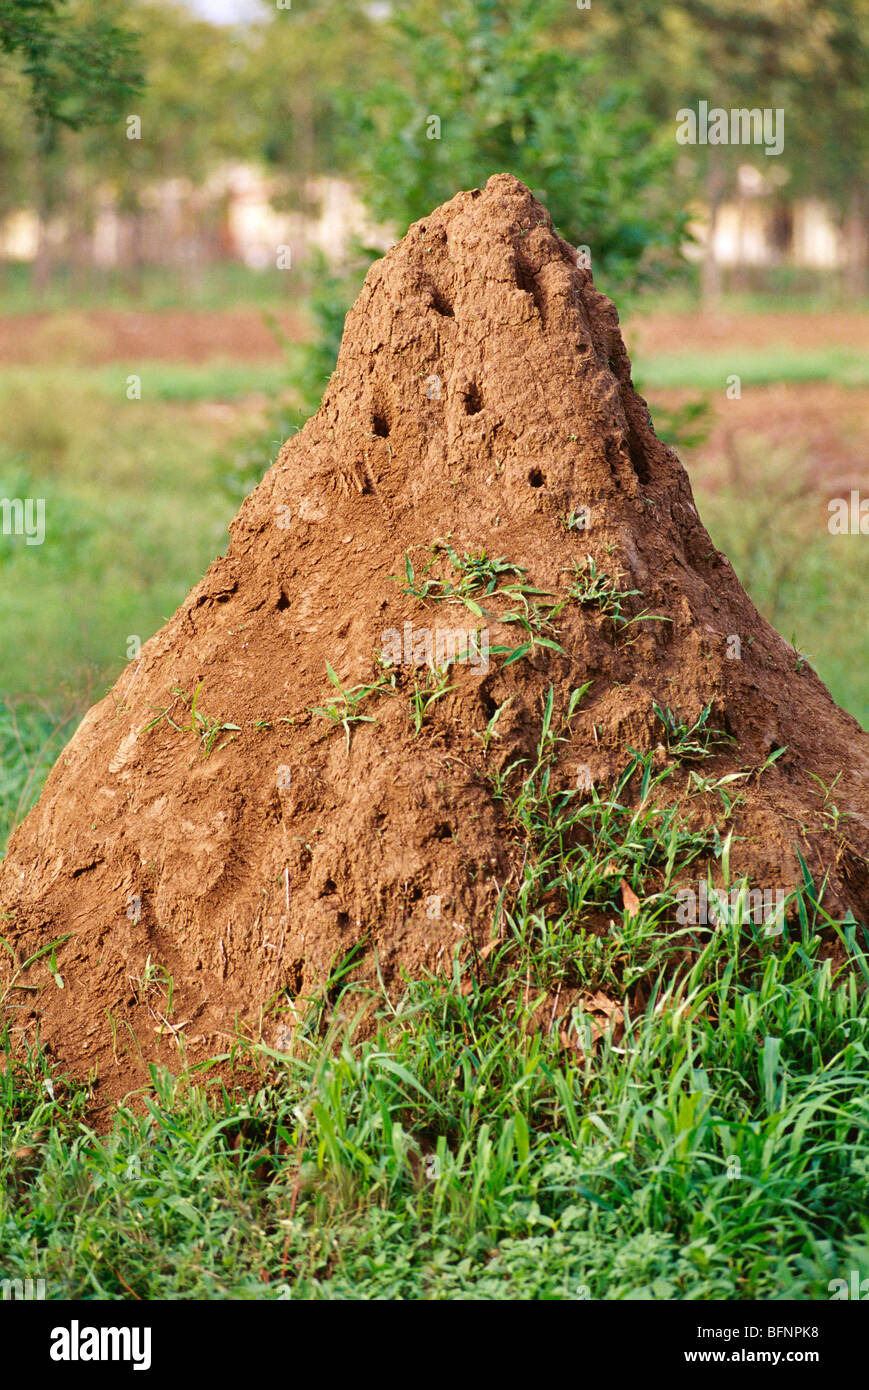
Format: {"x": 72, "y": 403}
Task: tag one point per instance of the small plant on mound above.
{"x": 204, "y": 726}
{"x": 426, "y": 692}
{"x": 686, "y": 741}
{"x": 343, "y": 711}
{"x": 479, "y": 577}
{"x": 478, "y": 574}
{"x": 50, "y": 950}
{"x": 594, "y": 587}
{"x": 491, "y": 730}
{"x": 587, "y": 855}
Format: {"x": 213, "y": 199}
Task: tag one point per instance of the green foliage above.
{"x": 308, "y": 367}
{"x": 31, "y": 737}
{"x": 343, "y": 710}
{"x": 508, "y": 98}
{"x": 687, "y": 739}
{"x": 332, "y": 295}
{"x": 593, "y": 587}
{"x": 81, "y": 65}
{"x": 121, "y": 480}
{"x": 204, "y": 726}
{"x": 483, "y": 576}
{"x": 478, "y": 574}
{"x": 427, "y": 690}
{"x": 769, "y": 522}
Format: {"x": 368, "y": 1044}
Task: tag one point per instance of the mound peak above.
{"x": 231, "y": 819}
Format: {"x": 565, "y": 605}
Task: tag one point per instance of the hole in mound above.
{"x": 442, "y": 305}
{"x": 638, "y": 456}
{"x": 328, "y": 887}
{"x": 536, "y": 478}
{"x": 380, "y": 427}
{"x": 283, "y": 602}
{"x": 527, "y": 282}
{"x": 473, "y": 400}
{"x": 443, "y": 831}
{"x": 343, "y": 920}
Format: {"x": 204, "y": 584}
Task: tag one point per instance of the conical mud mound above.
{"x": 211, "y": 826}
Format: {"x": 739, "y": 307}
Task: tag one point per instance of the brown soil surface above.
{"x": 91, "y": 337}
{"x": 822, "y": 428}
{"x": 97, "y": 336}
{"x": 699, "y": 331}
{"x": 245, "y": 873}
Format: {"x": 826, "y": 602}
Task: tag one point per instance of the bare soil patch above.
{"x": 97, "y": 336}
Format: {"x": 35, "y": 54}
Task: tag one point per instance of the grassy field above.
{"x": 714, "y": 1148}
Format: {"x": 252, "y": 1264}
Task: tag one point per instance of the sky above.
{"x": 226, "y": 11}
{"x": 236, "y": 11}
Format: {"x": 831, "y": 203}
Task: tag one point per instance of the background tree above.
{"x": 192, "y": 111}
{"x": 80, "y": 63}
{"x": 477, "y": 87}
{"x": 808, "y": 60}
{"x": 80, "y": 66}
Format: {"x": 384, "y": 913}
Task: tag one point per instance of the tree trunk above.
{"x": 855, "y": 279}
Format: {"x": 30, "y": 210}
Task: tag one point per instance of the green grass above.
{"x": 174, "y": 382}
{"x": 135, "y": 512}
{"x": 224, "y": 286}
{"x": 32, "y": 735}
{"x": 797, "y": 290}
{"x": 809, "y": 584}
{"x": 755, "y": 367}
{"x": 710, "y": 1146}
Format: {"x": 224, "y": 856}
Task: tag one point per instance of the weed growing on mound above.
{"x": 205, "y": 726}
{"x": 343, "y": 710}
{"x": 695, "y": 1129}
{"x": 594, "y": 587}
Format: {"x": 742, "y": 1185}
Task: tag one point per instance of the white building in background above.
{"x": 816, "y": 239}
{"x": 257, "y": 229}
{"x": 760, "y": 228}
{"x": 232, "y": 216}
{"x": 19, "y": 235}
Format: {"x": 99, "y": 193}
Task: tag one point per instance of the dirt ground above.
{"x": 652, "y": 333}
{"x": 94, "y": 337}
